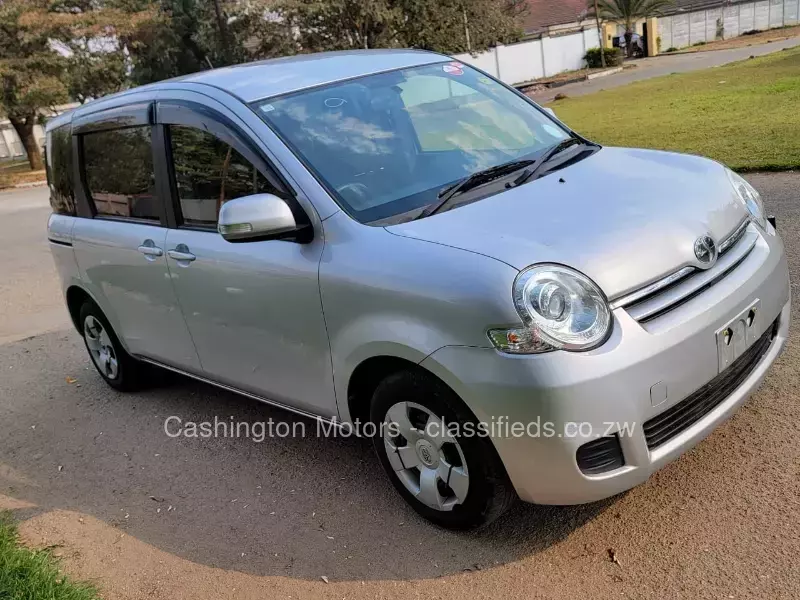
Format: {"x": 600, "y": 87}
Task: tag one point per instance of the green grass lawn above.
{"x": 746, "y": 114}
{"x": 33, "y": 575}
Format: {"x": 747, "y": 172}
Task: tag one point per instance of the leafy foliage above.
{"x": 442, "y": 25}
{"x": 95, "y": 74}
{"x": 45, "y": 42}
{"x": 192, "y": 35}
{"x": 30, "y": 72}
{"x": 343, "y": 24}
{"x": 52, "y": 51}
{"x": 629, "y": 11}
{"x": 613, "y": 57}
{"x": 187, "y": 36}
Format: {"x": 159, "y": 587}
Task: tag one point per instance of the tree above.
{"x": 193, "y": 35}
{"x": 93, "y": 74}
{"x": 167, "y": 45}
{"x": 34, "y": 74}
{"x": 449, "y": 26}
{"x": 628, "y": 12}
{"x": 454, "y": 26}
{"x": 30, "y": 74}
{"x": 600, "y": 35}
{"x": 342, "y": 24}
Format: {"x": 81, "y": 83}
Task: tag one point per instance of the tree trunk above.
{"x": 466, "y": 29}
{"x": 223, "y": 34}
{"x": 24, "y": 129}
{"x": 198, "y": 54}
{"x": 629, "y": 42}
{"x": 600, "y": 35}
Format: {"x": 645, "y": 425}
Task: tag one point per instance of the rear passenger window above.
{"x": 208, "y": 173}
{"x": 59, "y": 170}
{"x": 119, "y": 173}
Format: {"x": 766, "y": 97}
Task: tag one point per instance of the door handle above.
{"x": 150, "y": 250}
{"x": 181, "y": 253}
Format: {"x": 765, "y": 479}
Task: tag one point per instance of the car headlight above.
{"x": 749, "y": 197}
{"x": 562, "y": 310}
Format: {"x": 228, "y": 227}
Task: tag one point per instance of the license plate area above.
{"x": 738, "y": 335}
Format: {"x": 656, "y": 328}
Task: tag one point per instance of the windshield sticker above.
{"x": 453, "y": 69}
{"x": 267, "y": 108}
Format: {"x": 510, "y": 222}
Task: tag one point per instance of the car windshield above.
{"x": 387, "y": 144}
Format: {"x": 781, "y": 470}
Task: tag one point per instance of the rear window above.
{"x": 59, "y": 170}
{"x": 119, "y": 173}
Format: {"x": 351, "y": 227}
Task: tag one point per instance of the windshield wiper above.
{"x": 471, "y": 182}
{"x": 536, "y": 168}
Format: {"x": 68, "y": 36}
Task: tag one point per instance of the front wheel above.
{"x": 430, "y": 447}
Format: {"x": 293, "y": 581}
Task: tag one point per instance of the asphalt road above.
{"x": 665, "y": 64}
{"x": 721, "y": 522}
{"x": 30, "y": 297}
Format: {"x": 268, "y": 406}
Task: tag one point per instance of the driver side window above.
{"x": 208, "y": 173}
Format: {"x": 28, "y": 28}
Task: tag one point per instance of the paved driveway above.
{"x": 30, "y": 297}
{"x": 666, "y": 64}
{"x": 721, "y": 522}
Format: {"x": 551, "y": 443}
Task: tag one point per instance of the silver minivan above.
{"x": 397, "y": 243}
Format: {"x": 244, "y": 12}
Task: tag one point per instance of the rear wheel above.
{"x": 428, "y": 443}
{"x": 118, "y": 368}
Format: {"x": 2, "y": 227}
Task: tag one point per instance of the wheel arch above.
{"x": 365, "y": 379}
{"x": 76, "y": 297}
{"x": 371, "y": 371}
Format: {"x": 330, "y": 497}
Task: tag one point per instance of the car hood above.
{"x": 624, "y": 217}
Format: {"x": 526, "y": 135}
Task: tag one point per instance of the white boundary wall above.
{"x": 680, "y": 31}
{"x": 526, "y": 61}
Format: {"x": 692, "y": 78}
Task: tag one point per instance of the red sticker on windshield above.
{"x": 453, "y": 68}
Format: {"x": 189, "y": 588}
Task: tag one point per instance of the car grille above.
{"x": 671, "y": 422}
{"x": 659, "y": 297}
{"x": 601, "y": 455}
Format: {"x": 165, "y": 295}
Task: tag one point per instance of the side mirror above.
{"x": 256, "y": 217}
{"x": 549, "y": 111}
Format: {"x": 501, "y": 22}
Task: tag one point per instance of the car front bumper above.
{"x": 564, "y": 400}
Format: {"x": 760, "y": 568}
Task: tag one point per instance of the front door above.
{"x": 253, "y": 308}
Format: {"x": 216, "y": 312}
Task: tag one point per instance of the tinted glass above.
{"x": 386, "y": 144}
{"x": 208, "y": 173}
{"x": 59, "y": 170}
{"x": 119, "y": 173}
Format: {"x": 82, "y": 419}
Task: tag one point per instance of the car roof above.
{"x": 275, "y": 77}
{"x": 268, "y": 78}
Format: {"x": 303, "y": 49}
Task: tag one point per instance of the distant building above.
{"x": 11, "y": 146}
{"x": 554, "y": 17}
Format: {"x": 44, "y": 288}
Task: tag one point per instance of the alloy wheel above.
{"x": 425, "y": 457}
{"x": 101, "y": 348}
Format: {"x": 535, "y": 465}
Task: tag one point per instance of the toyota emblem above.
{"x": 705, "y": 250}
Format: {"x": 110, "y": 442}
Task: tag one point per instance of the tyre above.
{"x": 456, "y": 481}
{"x": 118, "y": 368}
